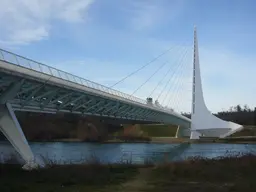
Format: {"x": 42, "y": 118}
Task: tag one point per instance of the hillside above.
{"x": 156, "y": 130}
{"x": 150, "y": 130}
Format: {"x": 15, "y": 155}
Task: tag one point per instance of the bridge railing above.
{"x": 42, "y": 68}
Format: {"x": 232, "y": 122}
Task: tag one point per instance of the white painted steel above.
{"x": 90, "y": 87}
{"x": 10, "y": 127}
{"x": 203, "y": 121}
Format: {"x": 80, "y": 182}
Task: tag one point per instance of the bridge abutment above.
{"x": 10, "y": 127}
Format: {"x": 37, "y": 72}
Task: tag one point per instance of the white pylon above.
{"x": 204, "y": 123}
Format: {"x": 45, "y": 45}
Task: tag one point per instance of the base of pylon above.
{"x": 195, "y": 135}
{"x": 30, "y": 166}
{"x": 10, "y": 127}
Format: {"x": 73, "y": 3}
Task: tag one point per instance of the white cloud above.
{"x": 29, "y": 35}
{"x": 74, "y": 11}
{"x": 146, "y": 14}
{"x": 25, "y": 21}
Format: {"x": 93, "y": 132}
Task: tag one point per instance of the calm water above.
{"x": 136, "y": 153}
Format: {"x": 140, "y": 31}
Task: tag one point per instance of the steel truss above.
{"x": 25, "y": 94}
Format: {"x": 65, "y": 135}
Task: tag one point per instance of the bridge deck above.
{"x": 42, "y": 79}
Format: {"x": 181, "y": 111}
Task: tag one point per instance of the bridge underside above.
{"x": 24, "y": 93}
{"x": 36, "y": 96}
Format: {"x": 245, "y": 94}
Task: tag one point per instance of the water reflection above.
{"x": 131, "y": 152}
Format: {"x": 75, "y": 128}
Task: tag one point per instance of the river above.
{"x": 68, "y": 152}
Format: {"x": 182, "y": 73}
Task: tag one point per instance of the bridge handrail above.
{"x": 19, "y": 60}
{"x": 68, "y": 76}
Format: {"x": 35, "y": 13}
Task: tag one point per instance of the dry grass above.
{"x": 223, "y": 174}
{"x": 197, "y": 174}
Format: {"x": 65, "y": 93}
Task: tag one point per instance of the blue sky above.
{"x": 105, "y": 40}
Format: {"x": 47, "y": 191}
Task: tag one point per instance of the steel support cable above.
{"x": 147, "y": 64}
{"x": 152, "y": 75}
{"x": 171, "y": 85}
{"x": 171, "y": 77}
{"x": 169, "y": 80}
{"x": 177, "y": 98}
{"x": 179, "y": 101}
{"x": 161, "y": 80}
{"x": 178, "y": 87}
{"x": 175, "y": 79}
{"x": 176, "y": 94}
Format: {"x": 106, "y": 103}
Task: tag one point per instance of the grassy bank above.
{"x": 246, "y": 131}
{"x": 64, "y": 177}
{"x": 159, "y": 130}
{"x": 227, "y": 174}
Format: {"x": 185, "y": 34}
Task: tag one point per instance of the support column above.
{"x": 177, "y": 135}
{"x": 182, "y": 132}
{"x": 10, "y": 127}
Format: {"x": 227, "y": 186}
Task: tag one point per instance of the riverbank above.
{"x": 226, "y": 174}
{"x": 172, "y": 140}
